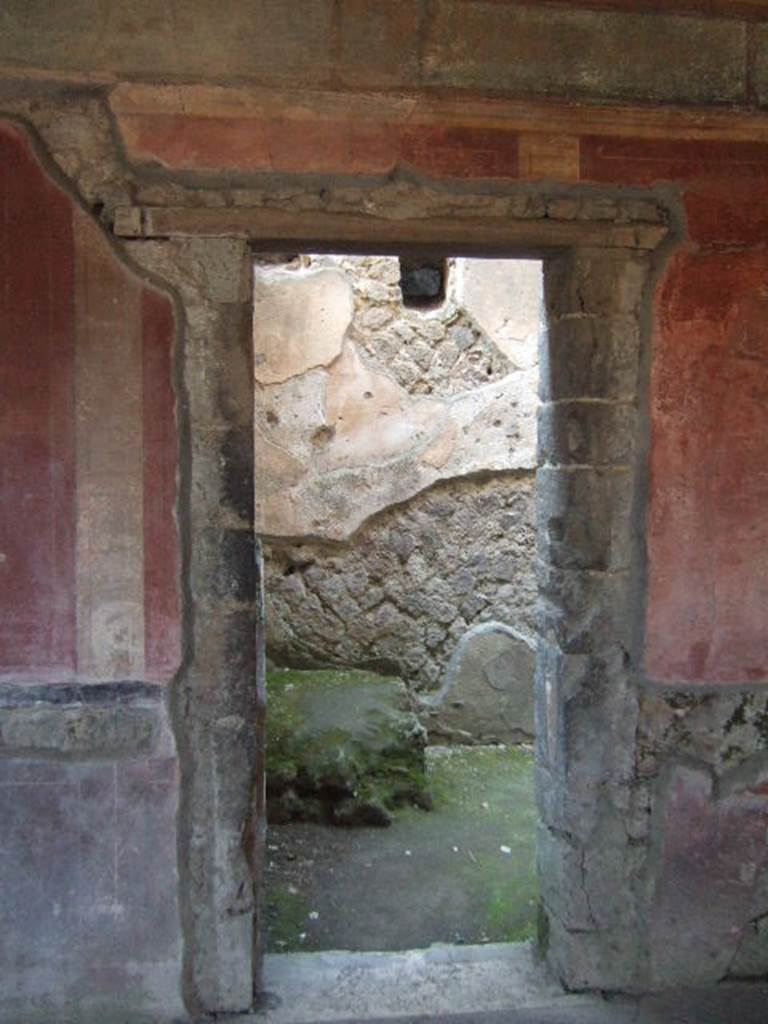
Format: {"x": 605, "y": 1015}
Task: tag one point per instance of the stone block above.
{"x": 487, "y": 696}
{"x": 532, "y": 50}
{"x": 585, "y": 518}
{"x": 584, "y": 612}
{"x": 224, "y": 671}
{"x": 586, "y": 433}
{"x": 559, "y": 864}
{"x": 596, "y": 282}
{"x": 232, "y": 372}
{"x": 579, "y": 882}
{"x": 611, "y": 960}
{"x": 590, "y": 357}
{"x": 232, "y": 883}
{"x": 227, "y": 560}
{"x": 237, "y": 471}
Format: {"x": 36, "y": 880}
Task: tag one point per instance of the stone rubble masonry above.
{"x": 403, "y": 591}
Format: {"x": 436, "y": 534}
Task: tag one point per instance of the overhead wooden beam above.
{"x": 348, "y": 232}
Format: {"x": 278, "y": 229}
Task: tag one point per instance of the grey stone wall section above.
{"x": 412, "y": 580}
{"x": 218, "y": 705}
{"x": 585, "y": 689}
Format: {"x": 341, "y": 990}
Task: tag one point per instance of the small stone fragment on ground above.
{"x": 487, "y": 696}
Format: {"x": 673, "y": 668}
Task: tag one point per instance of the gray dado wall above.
{"x": 395, "y": 450}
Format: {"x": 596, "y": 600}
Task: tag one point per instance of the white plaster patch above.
{"x": 300, "y": 318}
{"x": 504, "y": 297}
{"x": 339, "y": 435}
{"x": 372, "y": 418}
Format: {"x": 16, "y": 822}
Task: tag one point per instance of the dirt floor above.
{"x": 461, "y": 873}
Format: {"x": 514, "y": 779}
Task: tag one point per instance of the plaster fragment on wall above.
{"x": 300, "y": 319}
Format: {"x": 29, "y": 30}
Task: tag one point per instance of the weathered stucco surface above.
{"x": 382, "y": 406}
{"x": 385, "y": 401}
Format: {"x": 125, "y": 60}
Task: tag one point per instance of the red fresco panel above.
{"x": 191, "y": 142}
{"x": 161, "y": 548}
{"x": 707, "y": 527}
{"x": 628, "y": 161}
{"x": 37, "y": 515}
{"x": 344, "y": 146}
{"x": 460, "y": 152}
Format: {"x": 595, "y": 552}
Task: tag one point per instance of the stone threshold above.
{"x": 303, "y": 988}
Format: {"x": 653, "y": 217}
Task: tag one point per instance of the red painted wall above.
{"x": 707, "y": 529}
{"x": 708, "y": 523}
{"x": 37, "y": 514}
{"x": 64, "y": 293}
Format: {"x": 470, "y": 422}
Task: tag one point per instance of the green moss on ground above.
{"x": 490, "y": 790}
{"x": 342, "y": 746}
{"x": 463, "y": 873}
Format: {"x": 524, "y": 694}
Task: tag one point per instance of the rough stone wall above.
{"x": 339, "y": 434}
{"x": 401, "y": 593}
{"x": 447, "y": 350}
{"x": 374, "y": 405}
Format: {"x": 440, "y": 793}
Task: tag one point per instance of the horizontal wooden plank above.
{"x": 318, "y": 231}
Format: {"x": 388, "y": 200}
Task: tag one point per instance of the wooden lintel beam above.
{"x": 350, "y": 232}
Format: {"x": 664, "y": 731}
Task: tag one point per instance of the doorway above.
{"x": 598, "y": 265}
{"x": 395, "y": 425}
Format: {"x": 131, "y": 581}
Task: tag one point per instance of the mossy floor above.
{"x": 461, "y": 873}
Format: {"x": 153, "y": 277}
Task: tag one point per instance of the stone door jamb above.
{"x": 601, "y": 253}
